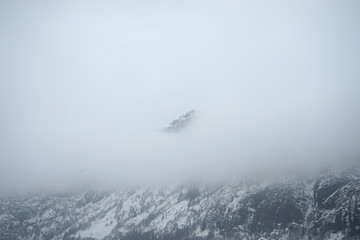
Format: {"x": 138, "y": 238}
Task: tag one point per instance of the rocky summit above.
{"x": 181, "y": 122}
{"x": 325, "y": 206}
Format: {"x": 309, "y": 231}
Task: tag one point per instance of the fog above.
{"x": 87, "y": 86}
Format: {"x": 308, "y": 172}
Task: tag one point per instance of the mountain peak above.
{"x": 181, "y": 122}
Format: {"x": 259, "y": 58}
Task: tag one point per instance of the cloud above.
{"x": 87, "y": 86}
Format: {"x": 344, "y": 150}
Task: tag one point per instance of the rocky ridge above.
{"x": 322, "y": 207}
{"x": 181, "y": 122}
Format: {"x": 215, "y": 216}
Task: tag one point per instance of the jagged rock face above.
{"x": 180, "y": 123}
{"x": 337, "y": 202}
{"x": 323, "y": 207}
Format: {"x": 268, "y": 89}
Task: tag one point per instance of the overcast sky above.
{"x": 85, "y": 87}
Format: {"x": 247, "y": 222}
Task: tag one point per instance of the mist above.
{"x": 87, "y": 86}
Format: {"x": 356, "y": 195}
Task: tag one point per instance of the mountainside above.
{"x": 322, "y": 207}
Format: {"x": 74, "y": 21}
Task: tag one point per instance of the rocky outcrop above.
{"x": 180, "y": 123}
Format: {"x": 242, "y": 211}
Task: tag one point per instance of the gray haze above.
{"x": 86, "y": 86}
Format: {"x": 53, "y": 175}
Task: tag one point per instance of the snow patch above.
{"x": 101, "y": 227}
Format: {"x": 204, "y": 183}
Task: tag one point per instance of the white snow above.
{"x": 200, "y": 233}
{"x": 101, "y": 227}
{"x": 48, "y": 214}
{"x": 171, "y": 214}
{"x": 336, "y": 236}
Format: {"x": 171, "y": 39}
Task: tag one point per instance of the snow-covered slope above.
{"x": 321, "y": 207}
